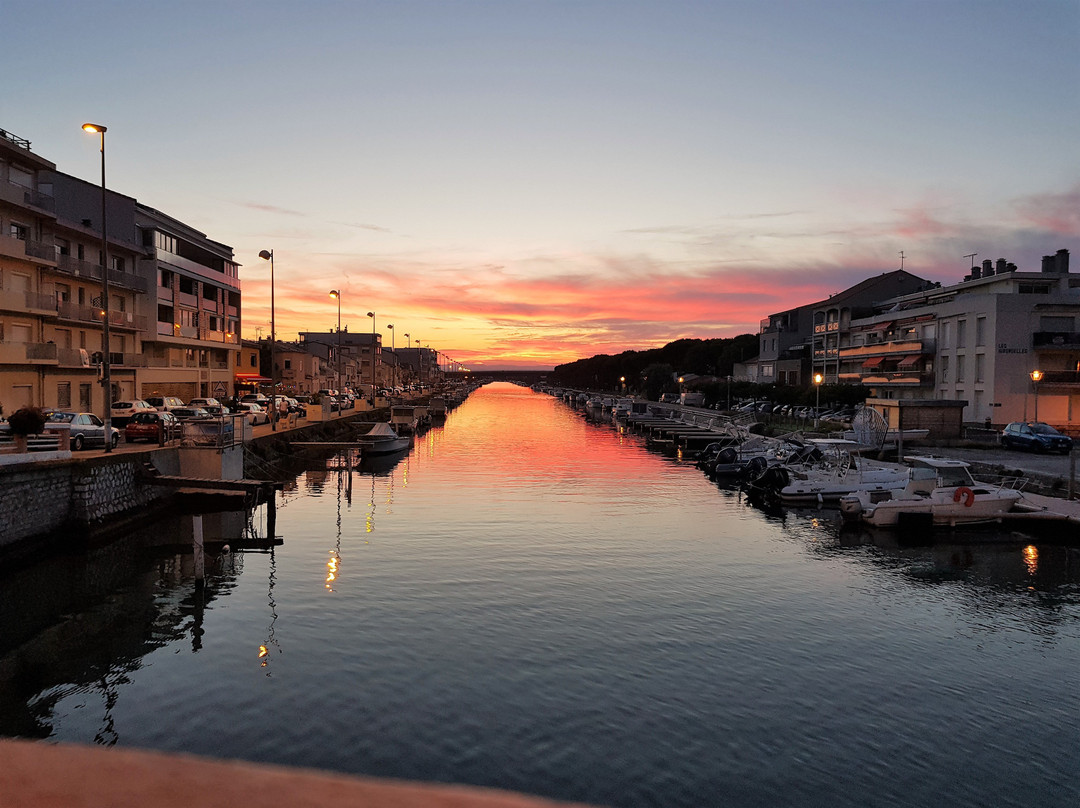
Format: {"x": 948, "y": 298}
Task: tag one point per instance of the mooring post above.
{"x": 271, "y": 515}
{"x": 200, "y": 555}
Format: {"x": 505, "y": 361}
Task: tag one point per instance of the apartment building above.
{"x": 977, "y": 341}
{"x": 361, "y": 356}
{"x": 174, "y": 296}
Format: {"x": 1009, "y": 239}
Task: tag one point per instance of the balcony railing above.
{"x": 918, "y": 346}
{"x": 21, "y": 353}
{"x": 40, "y": 200}
{"x": 85, "y": 269}
{"x": 92, "y": 314}
{"x": 1059, "y": 377}
{"x": 899, "y": 378}
{"x": 1055, "y": 339}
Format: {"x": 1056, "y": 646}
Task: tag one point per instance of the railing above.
{"x": 20, "y": 353}
{"x": 39, "y": 249}
{"x": 1055, "y": 339}
{"x": 914, "y": 378}
{"x": 1059, "y": 377}
{"x": 918, "y": 346}
{"x": 85, "y": 269}
{"x": 40, "y": 200}
{"x": 22, "y": 143}
{"x": 92, "y": 314}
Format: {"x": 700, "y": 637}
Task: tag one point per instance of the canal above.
{"x": 534, "y": 602}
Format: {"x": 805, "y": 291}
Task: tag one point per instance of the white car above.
{"x": 253, "y": 413}
{"x": 122, "y": 411}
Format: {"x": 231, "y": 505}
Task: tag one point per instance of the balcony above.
{"x": 917, "y": 346}
{"x": 28, "y": 353}
{"x": 1060, "y": 378}
{"x": 35, "y": 251}
{"x": 70, "y": 265}
{"x": 66, "y": 310}
{"x": 899, "y": 378}
{"x": 27, "y": 302}
{"x": 1062, "y": 340}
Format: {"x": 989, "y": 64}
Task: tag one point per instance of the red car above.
{"x": 149, "y": 425}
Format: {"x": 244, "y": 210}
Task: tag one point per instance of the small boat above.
{"x": 839, "y": 471}
{"x": 403, "y": 419}
{"x": 938, "y": 492}
{"x": 382, "y": 439}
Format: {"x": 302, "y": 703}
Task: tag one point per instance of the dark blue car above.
{"x": 1036, "y": 436}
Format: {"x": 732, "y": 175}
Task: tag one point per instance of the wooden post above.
{"x": 271, "y": 515}
{"x": 200, "y": 555}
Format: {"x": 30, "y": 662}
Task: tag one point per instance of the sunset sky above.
{"x": 526, "y": 182}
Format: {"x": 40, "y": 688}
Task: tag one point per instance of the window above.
{"x": 288, "y": 364}
{"x": 84, "y": 396}
{"x": 166, "y": 242}
{"x": 63, "y": 395}
{"x": 63, "y": 246}
{"x": 21, "y": 176}
{"x": 1062, "y": 324}
{"x": 118, "y": 263}
{"x": 253, "y": 360}
{"x": 946, "y": 335}
{"x": 20, "y": 231}
{"x": 1033, "y": 288}
{"x": 209, "y": 292}
{"x": 960, "y": 363}
{"x": 944, "y": 370}
{"x": 165, "y": 279}
{"x": 980, "y": 368}
{"x": 961, "y": 334}
{"x": 187, "y": 286}
{"x": 980, "y": 331}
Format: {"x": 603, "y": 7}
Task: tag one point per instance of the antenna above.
{"x": 901, "y": 259}
{"x": 972, "y": 257}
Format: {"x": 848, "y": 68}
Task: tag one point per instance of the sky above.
{"x": 523, "y": 183}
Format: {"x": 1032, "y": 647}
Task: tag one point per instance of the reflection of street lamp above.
{"x": 818, "y": 379}
{"x": 336, "y": 293}
{"x": 1036, "y": 375}
{"x": 393, "y": 350}
{"x": 106, "y": 367}
{"x": 268, "y": 255}
{"x": 371, "y": 314}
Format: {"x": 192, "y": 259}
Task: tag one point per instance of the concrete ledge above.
{"x": 36, "y": 775}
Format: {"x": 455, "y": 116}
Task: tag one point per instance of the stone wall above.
{"x": 39, "y": 498}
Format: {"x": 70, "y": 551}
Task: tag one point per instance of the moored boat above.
{"x": 382, "y": 439}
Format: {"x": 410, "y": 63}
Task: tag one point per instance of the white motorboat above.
{"x": 403, "y": 418}
{"x": 382, "y": 439}
{"x": 938, "y": 492}
{"x": 841, "y": 471}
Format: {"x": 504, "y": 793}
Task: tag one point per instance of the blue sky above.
{"x": 524, "y": 183}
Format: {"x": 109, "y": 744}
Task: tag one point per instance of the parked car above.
{"x": 255, "y": 398}
{"x": 296, "y": 407}
{"x": 1036, "y": 436}
{"x": 211, "y": 405}
{"x": 150, "y": 425}
{"x": 122, "y": 411}
{"x": 164, "y": 403}
{"x": 86, "y": 428}
{"x": 253, "y": 413}
{"x": 190, "y": 413}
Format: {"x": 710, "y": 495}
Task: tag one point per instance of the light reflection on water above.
{"x": 533, "y": 602}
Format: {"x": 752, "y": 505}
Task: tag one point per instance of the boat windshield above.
{"x": 955, "y": 476}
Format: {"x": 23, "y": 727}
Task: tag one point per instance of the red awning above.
{"x": 873, "y": 361}
{"x": 910, "y": 361}
{"x": 882, "y": 326}
{"x": 247, "y": 378}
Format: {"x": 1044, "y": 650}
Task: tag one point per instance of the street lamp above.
{"x": 371, "y": 314}
{"x": 106, "y": 366}
{"x": 268, "y": 255}
{"x": 336, "y": 293}
{"x": 393, "y": 349}
{"x": 1036, "y": 375}
{"x": 407, "y": 342}
{"x": 420, "y": 365}
{"x": 622, "y": 384}
{"x": 818, "y": 379}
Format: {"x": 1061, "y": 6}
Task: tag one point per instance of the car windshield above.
{"x": 1044, "y": 429}
{"x": 61, "y": 417}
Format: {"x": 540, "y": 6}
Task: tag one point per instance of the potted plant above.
{"x": 24, "y": 422}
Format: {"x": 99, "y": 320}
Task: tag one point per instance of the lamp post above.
{"x": 420, "y": 364}
{"x": 393, "y": 349}
{"x": 818, "y": 379}
{"x": 371, "y": 314}
{"x": 729, "y": 393}
{"x": 1036, "y": 375}
{"x": 622, "y": 384}
{"x": 268, "y": 255}
{"x": 336, "y": 294}
{"x": 407, "y": 341}
{"x": 106, "y": 366}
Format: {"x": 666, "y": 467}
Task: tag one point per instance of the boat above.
{"x": 403, "y": 419}
{"x": 382, "y": 439}
{"x": 939, "y": 491}
{"x": 837, "y": 470}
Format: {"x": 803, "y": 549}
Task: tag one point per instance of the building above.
{"x": 174, "y": 296}
{"x": 795, "y": 344}
{"x": 976, "y": 341}
{"x": 361, "y": 356}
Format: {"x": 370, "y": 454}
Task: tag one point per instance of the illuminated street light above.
{"x": 818, "y": 379}
{"x": 106, "y": 365}
{"x": 1036, "y": 375}
{"x": 268, "y": 255}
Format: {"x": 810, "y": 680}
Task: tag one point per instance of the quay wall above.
{"x": 42, "y": 498}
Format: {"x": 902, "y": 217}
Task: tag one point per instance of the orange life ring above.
{"x": 966, "y": 494}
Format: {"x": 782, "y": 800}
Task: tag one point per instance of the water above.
{"x": 533, "y": 602}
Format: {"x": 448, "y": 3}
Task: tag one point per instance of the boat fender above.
{"x": 966, "y": 494}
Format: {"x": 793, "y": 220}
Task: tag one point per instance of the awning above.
{"x": 910, "y": 361}
{"x": 882, "y": 326}
{"x": 247, "y": 378}
{"x": 873, "y": 361}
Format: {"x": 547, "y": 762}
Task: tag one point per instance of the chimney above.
{"x": 1049, "y": 264}
{"x": 976, "y": 272}
{"x": 1062, "y": 261}
{"x": 1010, "y": 267}
{"x": 1000, "y": 266}
{"x": 988, "y": 268}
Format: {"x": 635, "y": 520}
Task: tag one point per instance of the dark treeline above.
{"x": 652, "y": 372}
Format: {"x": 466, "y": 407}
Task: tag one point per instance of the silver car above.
{"x": 86, "y": 429}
